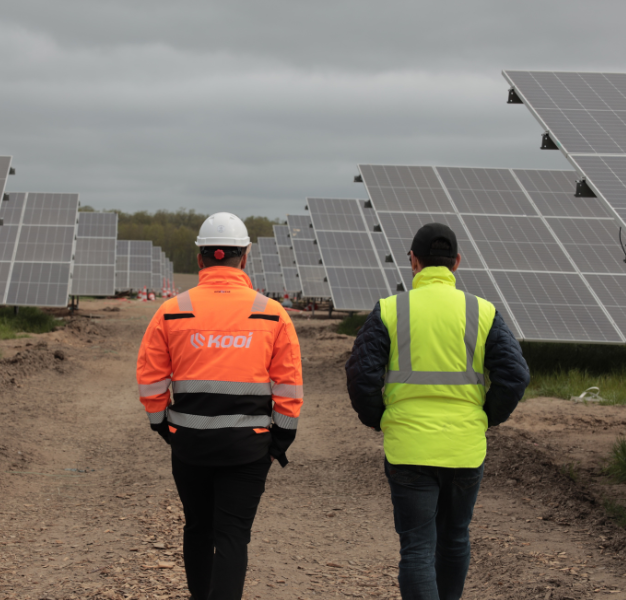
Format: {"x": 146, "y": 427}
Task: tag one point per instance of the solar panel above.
{"x": 311, "y": 272}
{"x": 156, "y": 269}
{"x": 164, "y": 266}
{"x": 42, "y": 260}
{"x": 353, "y": 263}
{"x": 504, "y": 239}
{"x": 300, "y": 227}
{"x": 257, "y": 267}
{"x": 611, "y": 290}
{"x": 272, "y": 270}
{"x": 585, "y": 115}
{"x": 140, "y": 264}
{"x": 287, "y": 259}
{"x": 122, "y": 266}
{"x": 5, "y": 170}
{"x": 11, "y": 214}
{"x": 552, "y": 194}
{"x": 95, "y": 257}
{"x": 249, "y": 270}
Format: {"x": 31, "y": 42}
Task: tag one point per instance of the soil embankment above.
{"x": 89, "y": 508}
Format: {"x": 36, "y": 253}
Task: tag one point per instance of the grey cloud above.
{"x": 256, "y": 105}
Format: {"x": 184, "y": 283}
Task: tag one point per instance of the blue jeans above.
{"x": 432, "y": 510}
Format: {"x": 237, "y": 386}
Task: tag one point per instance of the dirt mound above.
{"x": 32, "y": 359}
{"x": 84, "y": 328}
{"x": 516, "y": 461}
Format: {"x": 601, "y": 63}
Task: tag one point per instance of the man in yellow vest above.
{"x": 417, "y": 372}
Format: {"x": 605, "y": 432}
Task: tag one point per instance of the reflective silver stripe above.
{"x": 156, "y": 418}
{"x": 471, "y": 329}
{"x": 286, "y": 390}
{"x": 403, "y": 309}
{"x": 407, "y": 375}
{"x": 221, "y": 422}
{"x": 154, "y": 389}
{"x": 184, "y": 302}
{"x": 435, "y": 377}
{"x": 235, "y": 388}
{"x": 284, "y": 421}
{"x": 259, "y": 304}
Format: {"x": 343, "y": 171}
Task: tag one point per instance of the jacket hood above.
{"x": 434, "y": 275}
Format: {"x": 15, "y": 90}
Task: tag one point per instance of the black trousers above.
{"x": 220, "y": 504}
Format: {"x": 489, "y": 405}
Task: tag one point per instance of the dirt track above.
{"x": 89, "y": 508}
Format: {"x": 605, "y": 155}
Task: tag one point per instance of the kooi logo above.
{"x": 221, "y": 341}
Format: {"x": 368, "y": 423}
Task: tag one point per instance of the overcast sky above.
{"x": 253, "y": 105}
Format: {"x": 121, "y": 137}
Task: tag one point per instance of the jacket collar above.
{"x": 224, "y": 276}
{"x": 434, "y": 275}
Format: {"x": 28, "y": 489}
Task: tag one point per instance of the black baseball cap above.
{"x": 430, "y": 233}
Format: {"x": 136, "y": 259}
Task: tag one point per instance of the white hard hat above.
{"x": 223, "y": 229}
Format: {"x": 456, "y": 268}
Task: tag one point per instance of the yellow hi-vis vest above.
{"x": 435, "y": 385}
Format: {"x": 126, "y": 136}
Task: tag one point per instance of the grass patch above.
{"x": 565, "y": 384}
{"x": 566, "y": 370}
{"x": 617, "y": 461}
{"x": 27, "y": 320}
{"x": 351, "y": 324}
{"x": 615, "y": 511}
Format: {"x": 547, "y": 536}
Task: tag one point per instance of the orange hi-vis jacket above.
{"x": 232, "y": 358}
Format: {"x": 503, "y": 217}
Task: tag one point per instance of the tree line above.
{"x": 176, "y": 232}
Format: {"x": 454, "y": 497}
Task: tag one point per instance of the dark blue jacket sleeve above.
{"x": 508, "y": 372}
{"x": 366, "y": 368}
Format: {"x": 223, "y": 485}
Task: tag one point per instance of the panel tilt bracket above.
{"x": 358, "y": 179}
{"x": 368, "y": 204}
{"x": 388, "y": 258}
{"x": 513, "y": 97}
{"x": 400, "y": 287}
{"x": 583, "y": 190}
{"x": 547, "y": 143}
{"x": 5, "y": 198}
{"x": 12, "y": 171}
{"x": 377, "y": 229}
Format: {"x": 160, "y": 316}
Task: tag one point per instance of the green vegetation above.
{"x": 615, "y": 511}
{"x": 27, "y": 320}
{"x": 351, "y": 324}
{"x": 566, "y": 370}
{"x": 175, "y": 232}
{"x": 617, "y": 461}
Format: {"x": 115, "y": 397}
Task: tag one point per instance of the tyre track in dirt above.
{"x": 113, "y": 527}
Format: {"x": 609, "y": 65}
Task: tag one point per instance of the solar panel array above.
{"x": 249, "y": 270}
{"x": 311, "y": 272}
{"x": 38, "y": 245}
{"x": 585, "y": 115}
{"x": 287, "y": 259}
{"x": 352, "y": 262}
{"x": 95, "y": 258}
{"x": 524, "y": 261}
{"x": 272, "y": 270}
{"x": 257, "y": 267}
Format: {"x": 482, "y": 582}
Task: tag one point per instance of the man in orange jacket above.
{"x": 232, "y": 358}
